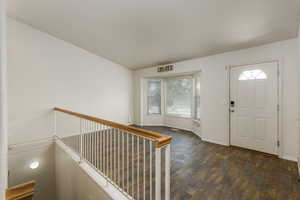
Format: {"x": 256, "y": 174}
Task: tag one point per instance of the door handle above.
{"x": 232, "y": 104}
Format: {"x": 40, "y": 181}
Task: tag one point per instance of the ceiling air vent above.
{"x": 165, "y": 68}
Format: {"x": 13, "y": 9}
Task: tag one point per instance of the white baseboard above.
{"x": 152, "y": 125}
{"x": 199, "y": 135}
{"x": 215, "y": 142}
{"x": 288, "y": 157}
{"x": 138, "y": 124}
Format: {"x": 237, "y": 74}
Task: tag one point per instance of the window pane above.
{"x": 179, "y": 96}
{"x": 154, "y": 97}
{"x": 197, "y": 97}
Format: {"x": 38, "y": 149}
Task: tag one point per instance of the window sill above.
{"x": 178, "y": 116}
{"x": 154, "y": 115}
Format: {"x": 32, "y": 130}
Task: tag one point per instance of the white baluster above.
{"x": 89, "y": 142}
{"x": 167, "y": 172}
{"x": 85, "y": 139}
{"x": 157, "y": 173}
{"x": 111, "y": 153}
{"x": 81, "y": 139}
{"x": 144, "y": 168}
{"x": 93, "y": 143}
{"x": 138, "y": 167}
{"x": 150, "y": 170}
{"x": 101, "y": 148}
{"x": 127, "y": 141}
{"x": 98, "y": 146}
{"x": 115, "y": 150}
{"x": 106, "y": 147}
{"x": 123, "y": 155}
{"x": 119, "y": 158}
{"x": 132, "y": 164}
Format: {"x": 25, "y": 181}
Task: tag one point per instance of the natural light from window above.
{"x": 252, "y": 75}
{"x": 154, "y": 97}
{"x": 179, "y": 95}
{"x": 197, "y": 97}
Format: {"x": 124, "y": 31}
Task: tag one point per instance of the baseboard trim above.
{"x": 215, "y": 142}
{"x": 171, "y": 127}
{"x": 290, "y": 158}
{"x": 151, "y": 125}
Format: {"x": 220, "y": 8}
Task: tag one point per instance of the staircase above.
{"x": 133, "y": 160}
{"x": 23, "y": 191}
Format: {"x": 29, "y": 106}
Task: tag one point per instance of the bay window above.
{"x": 179, "y": 96}
{"x": 197, "y": 97}
{"x": 154, "y": 96}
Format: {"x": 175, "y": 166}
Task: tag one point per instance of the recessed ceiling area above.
{"x": 140, "y": 33}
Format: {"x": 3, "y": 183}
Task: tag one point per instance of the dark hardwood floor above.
{"x": 201, "y": 170}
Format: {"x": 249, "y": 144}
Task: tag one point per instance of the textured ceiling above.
{"x": 142, "y": 33}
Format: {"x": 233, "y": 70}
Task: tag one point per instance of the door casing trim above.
{"x": 278, "y": 62}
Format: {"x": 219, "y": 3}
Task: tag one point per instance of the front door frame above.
{"x": 279, "y": 101}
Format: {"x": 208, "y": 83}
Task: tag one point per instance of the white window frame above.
{"x": 165, "y": 97}
{"x": 194, "y": 95}
{"x": 161, "y": 96}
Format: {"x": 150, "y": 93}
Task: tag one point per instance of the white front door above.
{"x": 253, "y": 107}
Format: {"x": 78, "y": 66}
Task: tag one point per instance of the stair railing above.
{"x": 24, "y": 191}
{"x": 134, "y": 160}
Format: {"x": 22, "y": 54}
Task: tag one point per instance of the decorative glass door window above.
{"x": 252, "y": 75}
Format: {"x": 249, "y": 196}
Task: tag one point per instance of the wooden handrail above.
{"x": 160, "y": 139}
{"x": 21, "y": 192}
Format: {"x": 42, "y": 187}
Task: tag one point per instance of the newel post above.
{"x": 158, "y": 172}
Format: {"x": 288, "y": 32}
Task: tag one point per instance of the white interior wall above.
{"x": 299, "y": 98}
{"x": 20, "y": 157}
{"x": 72, "y": 183}
{"x": 214, "y": 90}
{"x": 3, "y": 101}
{"x": 44, "y": 72}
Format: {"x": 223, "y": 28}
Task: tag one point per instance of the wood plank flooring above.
{"x": 201, "y": 170}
